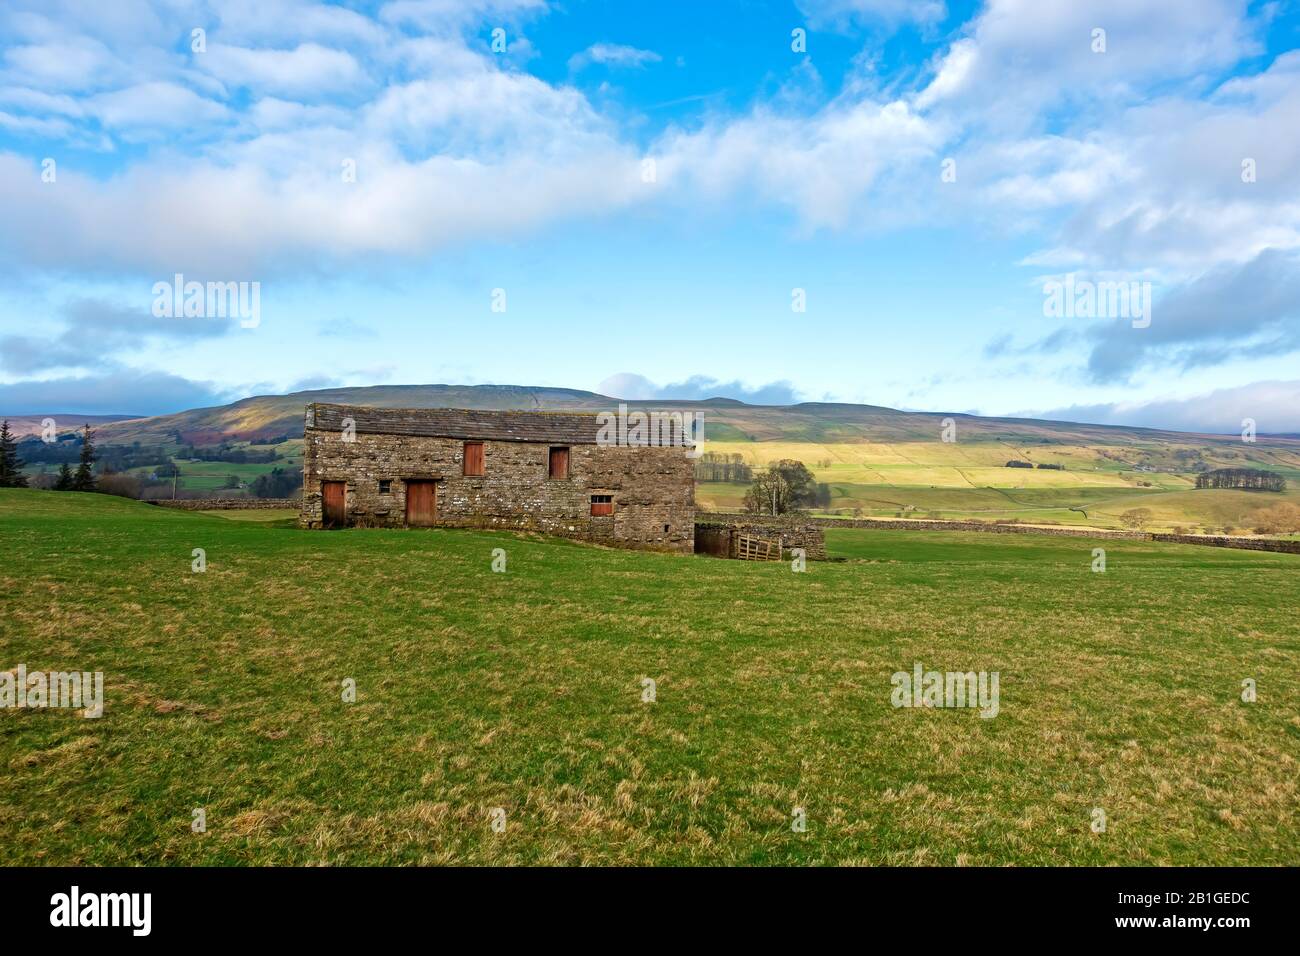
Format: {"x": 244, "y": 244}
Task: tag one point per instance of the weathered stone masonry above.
{"x": 652, "y": 489}
{"x": 715, "y": 533}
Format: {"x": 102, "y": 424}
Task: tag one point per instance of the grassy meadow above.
{"x": 523, "y": 691}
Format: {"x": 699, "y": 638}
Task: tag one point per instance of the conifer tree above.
{"x": 84, "y": 479}
{"x": 11, "y": 466}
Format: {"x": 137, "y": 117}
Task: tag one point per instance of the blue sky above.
{"x": 774, "y": 169}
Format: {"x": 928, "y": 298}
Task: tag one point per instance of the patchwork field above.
{"x": 523, "y": 691}
{"x": 970, "y": 480}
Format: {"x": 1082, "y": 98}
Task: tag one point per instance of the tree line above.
{"x": 227, "y": 453}
{"x": 34, "y": 451}
{"x": 279, "y": 483}
{"x": 716, "y": 466}
{"x": 11, "y": 465}
{"x": 1250, "y": 479}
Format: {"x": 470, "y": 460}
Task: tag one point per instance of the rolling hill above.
{"x": 272, "y": 416}
{"x": 25, "y": 425}
{"x": 876, "y": 461}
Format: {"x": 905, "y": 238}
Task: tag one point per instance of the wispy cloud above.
{"x": 95, "y": 333}
{"x": 843, "y": 14}
{"x": 121, "y": 391}
{"x": 613, "y": 55}
{"x": 1273, "y": 406}
{"x": 698, "y": 387}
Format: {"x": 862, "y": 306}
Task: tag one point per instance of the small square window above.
{"x": 602, "y": 504}
{"x": 385, "y": 486}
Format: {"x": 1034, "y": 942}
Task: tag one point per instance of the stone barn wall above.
{"x": 653, "y": 488}
{"x": 715, "y": 533}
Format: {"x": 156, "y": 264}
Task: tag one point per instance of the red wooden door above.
{"x": 334, "y": 496}
{"x": 559, "y": 463}
{"x": 421, "y": 503}
{"x": 474, "y": 458}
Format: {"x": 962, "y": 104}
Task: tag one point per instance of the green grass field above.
{"x": 523, "y": 691}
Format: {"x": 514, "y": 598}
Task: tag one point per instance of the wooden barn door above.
{"x": 559, "y": 463}
{"x": 421, "y": 503}
{"x": 334, "y": 495}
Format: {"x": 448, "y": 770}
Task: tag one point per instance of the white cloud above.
{"x": 612, "y": 54}
{"x": 1050, "y": 171}
{"x": 840, "y": 14}
{"x": 1273, "y": 405}
{"x": 634, "y": 387}
{"x": 952, "y": 73}
{"x": 34, "y": 126}
{"x": 483, "y": 109}
{"x": 1021, "y": 56}
{"x": 285, "y": 22}
{"x": 121, "y": 390}
{"x": 41, "y": 102}
{"x": 822, "y": 168}
{"x": 244, "y": 222}
{"x": 1161, "y": 184}
{"x": 309, "y": 70}
{"x": 271, "y": 113}
{"x": 155, "y": 106}
{"x": 452, "y": 14}
{"x": 79, "y": 63}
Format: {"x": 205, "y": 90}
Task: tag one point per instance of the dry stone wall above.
{"x": 1222, "y": 541}
{"x": 921, "y": 524}
{"x": 1282, "y": 546}
{"x": 227, "y": 504}
{"x": 714, "y": 531}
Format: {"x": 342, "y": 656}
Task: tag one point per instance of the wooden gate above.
{"x": 421, "y": 503}
{"x": 749, "y": 548}
{"x": 334, "y": 508}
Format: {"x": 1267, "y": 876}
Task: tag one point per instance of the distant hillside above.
{"x": 272, "y": 416}
{"x": 873, "y": 461}
{"x": 24, "y": 425}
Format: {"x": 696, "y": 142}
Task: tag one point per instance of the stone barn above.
{"x": 537, "y": 471}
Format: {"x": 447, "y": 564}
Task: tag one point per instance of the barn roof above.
{"x": 568, "y": 428}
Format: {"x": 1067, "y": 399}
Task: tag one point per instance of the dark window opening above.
{"x": 602, "y": 504}
{"x": 559, "y": 463}
{"x": 474, "y": 459}
{"x": 385, "y": 486}
{"x": 665, "y": 529}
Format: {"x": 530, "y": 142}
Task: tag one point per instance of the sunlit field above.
{"x": 970, "y": 480}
